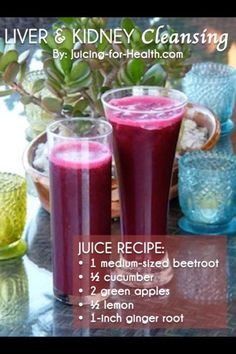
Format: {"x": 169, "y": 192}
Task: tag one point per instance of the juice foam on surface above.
{"x": 145, "y": 111}
{"x": 80, "y": 154}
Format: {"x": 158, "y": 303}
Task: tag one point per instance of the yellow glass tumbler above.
{"x": 12, "y": 215}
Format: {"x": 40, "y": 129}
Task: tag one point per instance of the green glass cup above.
{"x": 12, "y": 215}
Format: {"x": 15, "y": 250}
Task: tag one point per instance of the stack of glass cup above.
{"x": 207, "y": 179}
{"x": 207, "y": 192}
{"x": 214, "y": 86}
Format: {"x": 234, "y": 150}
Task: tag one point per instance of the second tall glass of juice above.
{"x": 146, "y": 123}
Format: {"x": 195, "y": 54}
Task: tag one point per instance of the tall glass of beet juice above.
{"x": 146, "y": 123}
{"x": 80, "y": 195}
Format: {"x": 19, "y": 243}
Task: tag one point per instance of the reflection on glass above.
{"x": 39, "y": 240}
{"x": 202, "y": 285}
{"x": 14, "y": 294}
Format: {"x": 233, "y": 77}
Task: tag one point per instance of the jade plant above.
{"x": 76, "y": 85}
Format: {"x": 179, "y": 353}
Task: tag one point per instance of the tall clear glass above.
{"x": 146, "y": 123}
{"x": 80, "y": 187}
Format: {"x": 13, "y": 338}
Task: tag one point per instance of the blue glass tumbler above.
{"x": 214, "y": 86}
{"x": 207, "y": 193}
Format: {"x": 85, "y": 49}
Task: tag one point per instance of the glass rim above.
{"x": 230, "y": 73}
{"x": 158, "y": 110}
{"x": 20, "y": 182}
{"x": 197, "y": 155}
{"x": 96, "y": 120}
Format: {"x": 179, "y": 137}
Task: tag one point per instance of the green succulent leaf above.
{"x": 78, "y": 85}
{"x": 135, "y": 69}
{"x": 97, "y": 83}
{"x": 54, "y": 88}
{"x": 103, "y": 45}
{"x": 52, "y": 104}
{"x": 67, "y": 20}
{"x": 51, "y": 41}
{"x": 123, "y": 77}
{"x": 6, "y": 93}
{"x": 65, "y": 62}
{"x": 38, "y": 85}
{"x": 23, "y": 56}
{"x": 11, "y": 72}
{"x": 80, "y": 106}
{"x": 80, "y": 70}
{"x": 51, "y": 69}
{"x": 68, "y": 41}
{"x": 45, "y": 47}
{"x": 7, "y": 58}
{"x": 22, "y": 72}
{"x": 58, "y": 66}
{"x": 155, "y": 75}
{"x": 26, "y": 100}
{"x": 150, "y": 36}
{"x": 127, "y": 24}
{"x": 99, "y": 22}
{"x": 136, "y": 36}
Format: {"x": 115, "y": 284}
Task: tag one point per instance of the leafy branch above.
{"x": 76, "y": 85}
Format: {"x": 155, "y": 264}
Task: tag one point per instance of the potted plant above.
{"x": 72, "y": 87}
{"x": 75, "y": 85}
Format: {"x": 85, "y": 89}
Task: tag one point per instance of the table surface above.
{"x": 27, "y": 305}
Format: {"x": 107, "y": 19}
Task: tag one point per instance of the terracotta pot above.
{"x": 203, "y": 117}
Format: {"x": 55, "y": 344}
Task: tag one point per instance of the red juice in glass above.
{"x": 80, "y": 187}
{"x": 146, "y": 126}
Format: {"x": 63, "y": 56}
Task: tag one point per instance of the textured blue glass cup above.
{"x": 207, "y": 192}
{"x": 214, "y": 86}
